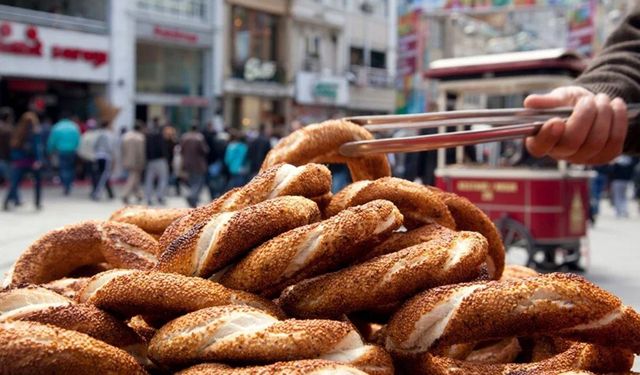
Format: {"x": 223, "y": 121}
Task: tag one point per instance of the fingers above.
{"x": 617, "y": 134}
{"x": 576, "y": 129}
{"x": 551, "y": 100}
{"x": 546, "y": 139}
{"x": 598, "y": 135}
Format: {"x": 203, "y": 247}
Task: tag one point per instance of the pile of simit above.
{"x": 282, "y": 277}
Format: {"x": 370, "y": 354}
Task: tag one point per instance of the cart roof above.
{"x": 548, "y": 59}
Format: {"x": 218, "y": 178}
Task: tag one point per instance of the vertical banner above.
{"x": 410, "y": 49}
{"x": 581, "y": 24}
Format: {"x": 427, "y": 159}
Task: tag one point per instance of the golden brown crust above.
{"x": 313, "y": 249}
{"x": 242, "y": 334}
{"x": 389, "y": 278}
{"x": 319, "y": 143}
{"x": 308, "y": 181}
{"x": 34, "y": 348}
{"x": 559, "y": 304}
{"x": 417, "y": 203}
{"x": 132, "y": 292}
{"x": 227, "y": 236}
{"x": 516, "y": 272}
{"x": 57, "y": 253}
{"x": 401, "y": 240}
{"x": 151, "y": 220}
{"x": 468, "y": 216}
{"x": 67, "y": 286}
{"x": 301, "y": 367}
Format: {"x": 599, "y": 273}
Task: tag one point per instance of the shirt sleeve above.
{"x": 616, "y": 71}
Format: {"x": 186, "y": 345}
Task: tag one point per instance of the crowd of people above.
{"x": 148, "y": 158}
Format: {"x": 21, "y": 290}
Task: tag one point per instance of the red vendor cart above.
{"x": 541, "y": 209}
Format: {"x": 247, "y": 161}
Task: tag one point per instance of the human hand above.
{"x": 593, "y": 134}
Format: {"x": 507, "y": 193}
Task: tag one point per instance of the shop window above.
{"x": 186, "y": 9}
{"x": 91, "y": 9}
{"x": 356, "y": 56}
{"x": 378, "y": 59}
{"x": 169, "y": 70}
{"x": 254, "y": 44}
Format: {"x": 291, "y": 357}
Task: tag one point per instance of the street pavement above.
{"x": 614, "y": 243}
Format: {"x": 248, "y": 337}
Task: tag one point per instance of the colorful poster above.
{"x": 582, "y": 30}
{"x": 410, "y": 50}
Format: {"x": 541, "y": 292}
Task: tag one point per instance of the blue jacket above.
{"x": 64, "y": 137}
{"x": 235, "y": 158}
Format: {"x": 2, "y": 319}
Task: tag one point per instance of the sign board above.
{"x": 43, "y": 52}
{"x": 173, "y": 35}
{"x": 318, "y": 89}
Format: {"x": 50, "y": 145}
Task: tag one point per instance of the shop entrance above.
{"x": 180, "y": 117}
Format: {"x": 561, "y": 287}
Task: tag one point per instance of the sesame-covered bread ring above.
{"x": 301, "y": 367}
{"x": 313, "y": 249}
{"x": 555, "y": 304}
{"x": 417, "y": 203}
{"x": 468, "y": 216}
{"x": 579, "y": 356}
{"x": 401, "y": 240}
{"x": 517, "y": 272}
{"x": 310, "y": 180}
{"x": 44, "y": 306}
{"x": 35, "y": 348}
{"x": 67, "y": 286}
{"x": 57, "y": 253}
{"x": 319, "y": 143}
{"x": 388, "y": 278}
{"x": 241, "y": 334}
{"x": 152, "y": 220}
{"x": 224, "y": 237}
{"x": 130, "y": 292}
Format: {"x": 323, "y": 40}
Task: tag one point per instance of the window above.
{"x": 91, "y": 9}
{"x": 185, "y": 9}
{"x": 254, "y": 36}
{"x": 312, "y": 46}
{"x": 169, "y": 70}
{"x": 356, "y": 56}
{"x": 378, "y": 59}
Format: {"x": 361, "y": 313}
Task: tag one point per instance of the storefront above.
{"x": 255, "y": 90}
{"x": 48, "y": 70}
{"x": 171, "y": 70}
{"x": 319, "y": 97}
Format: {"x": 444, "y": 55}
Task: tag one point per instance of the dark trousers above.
{"x": 67, "y": 170}
{"x": 17, "y": 174}
{"x": 104, "y": 174}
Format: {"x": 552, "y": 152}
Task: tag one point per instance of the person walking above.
{"x": 194, "y": 151}
{"x": 216, "y": 171}
{"x": 157, "y": 166}
{"x": 6, "y": 128}
{"x": 621, "y": 174}
{"x": 64, "y": 141}
{"x": 169, "y": 143}
{"x": 235, "y": 159}
{"x": 258, "y": 149}
{"x": 105, "y": 155}
{"x": 86, "y": 152}
{"x": 27, "y": 154}
{"x": 133, "y": 157}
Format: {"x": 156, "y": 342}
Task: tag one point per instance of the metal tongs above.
{"x": 505, "y": 124}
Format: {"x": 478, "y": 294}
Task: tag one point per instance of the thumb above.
{"x": 551, "y": 100}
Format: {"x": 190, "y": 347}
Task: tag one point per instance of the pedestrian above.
{"x": 597, "y": 187}
{"x": 621, "y": 174}
{"x": 104, "y": 151}
{"x": 27, "y": 154}
{"x": 63, "y": 142}
{"x": 86, "y": 152}
{"x": 133, "y": 157}
{"x": 258, "y": 149}
{"x": 194, "y": 151}
{"x": 597, "y": 131}
{"x": 6, "y": 128}
{"x": 169, "y": 143}
{"x": 157, "y": 169}
{"x": 235, "y": 159}
{"x": 216, "y": 171}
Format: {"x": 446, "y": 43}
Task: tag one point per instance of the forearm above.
{"x": 616, "y": 71}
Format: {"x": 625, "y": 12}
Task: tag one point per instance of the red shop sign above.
{"x": 175, "y": 35}
{"x": 30, "y": 46}
{"x": 96, "y": 58}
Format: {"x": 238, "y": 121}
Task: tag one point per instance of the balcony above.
{"x": 368, "y": 76}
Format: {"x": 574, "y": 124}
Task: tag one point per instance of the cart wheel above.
{"x": 518, "y": 243}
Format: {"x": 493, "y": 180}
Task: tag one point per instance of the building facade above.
{"x": 54, "y": 56}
